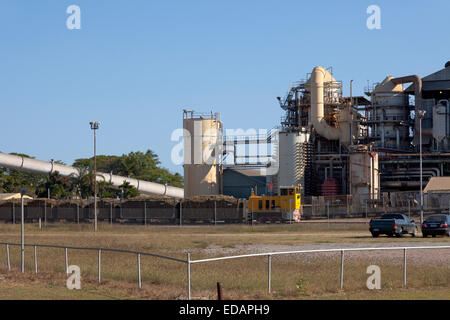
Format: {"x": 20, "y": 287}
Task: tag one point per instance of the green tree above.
{"x": 13, "y": 181}
{"x": 139, "y": 165}
{"x": 106, "y": 190}
{"x": 128, "y": 190}
{"x": 2, "y": 180}
{"x": 60, "y": 187}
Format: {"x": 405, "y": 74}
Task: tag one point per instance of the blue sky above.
{"x": 135, "y": 65}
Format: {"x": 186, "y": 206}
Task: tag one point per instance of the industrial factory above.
{"x": 369, "y": 148}
{"x": 332, "y": 154}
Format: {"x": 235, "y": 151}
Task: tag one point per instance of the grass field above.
{"x": 302, "y": 276}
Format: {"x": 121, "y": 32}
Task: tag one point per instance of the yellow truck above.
{"x": 285, "y": 207}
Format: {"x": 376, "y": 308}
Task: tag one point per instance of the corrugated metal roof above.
{"x": 438, "y": 184}
{"x": 432, "y": 86}
{"x": 438, "y": 81}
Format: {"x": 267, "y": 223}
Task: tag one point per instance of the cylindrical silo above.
{"x": 202, "y": 152}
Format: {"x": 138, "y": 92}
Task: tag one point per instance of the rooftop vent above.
{"x": 447, "y": 64}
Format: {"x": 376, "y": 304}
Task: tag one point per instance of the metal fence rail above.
{"x": 92, "y": 248}
{"x": 342, "y": 252}
{"x": 190, "y": 262}
{"x": 99, "y": 253}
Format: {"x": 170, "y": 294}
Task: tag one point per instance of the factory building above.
{"x": 333, "y": 145}
{"x": 395, "y": 130}
{"x": 437, "y": 192}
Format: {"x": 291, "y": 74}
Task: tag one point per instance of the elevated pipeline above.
{"x": 37, "y": 166}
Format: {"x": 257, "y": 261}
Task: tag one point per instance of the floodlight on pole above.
{"x": 94, "y": 126}
{"x": 420, "y": 115}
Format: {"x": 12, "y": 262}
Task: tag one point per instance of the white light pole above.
{"x": 94, "y": 127}
{"x": 22, "y": 231}
{"x": 420, "y": 115}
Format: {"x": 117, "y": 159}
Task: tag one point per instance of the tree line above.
{"x": 138, "y": 165}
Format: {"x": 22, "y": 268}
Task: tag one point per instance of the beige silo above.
{"x": 202, "y": 152}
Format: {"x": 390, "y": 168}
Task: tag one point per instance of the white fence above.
{"x": 190, "y": 262}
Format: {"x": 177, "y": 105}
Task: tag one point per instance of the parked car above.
{"x": 393, "y": 224}
{"x": 436, "y": 224}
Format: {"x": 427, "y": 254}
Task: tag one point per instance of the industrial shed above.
{"x": 240, "y": 182}
{"x": 438, "y": 185}
{"x": 437, "y": 192}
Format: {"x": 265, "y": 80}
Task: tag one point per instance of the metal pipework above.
{"x": 37, "y": 166}
{"x": 417, "y": 88}
{"x": 317, "y": 106}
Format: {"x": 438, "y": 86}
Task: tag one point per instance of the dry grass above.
{"x": 294, "y": 278}
{"x": 303, "y": 276}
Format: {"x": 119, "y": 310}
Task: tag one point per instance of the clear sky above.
{"x": 135, "y": 65}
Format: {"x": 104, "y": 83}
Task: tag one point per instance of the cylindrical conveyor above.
{"x": 37, "y": 166}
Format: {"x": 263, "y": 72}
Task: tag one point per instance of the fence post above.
{"x": 99, "y": 265}
{"x": 145, "y": 213}
{"x": 328, "y": 212}
{"x": 404, "y": 267}
{"x": 342, "y": 269}
{"x": 348, "y": 205}
{"x": 8, "y": 258}
{"x": 215, "y": 213}
{"x": 188, "y": 276}
{"x": 181, "y": 213}
{"x": 78, "y": 213}
{"x": 35, "y": 260}
{"x": 67, "y": 261}
{"x": 22, "y": 233}
{"x": 139, "y": 270}
{"x": 14, "y": 212}
{"x": 45, "y": 213}
{"x": 111, "y": 213}
{"x": 366, "y": 208}
{"x": 219, "y": 291}
{"x": 269, "y": 271}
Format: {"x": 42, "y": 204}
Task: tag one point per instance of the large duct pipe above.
{"x": 417, "y": 97}
{"x": 417, "y": 88}
{"x": 317, "y": 106}
{"x": 36, "y": 166}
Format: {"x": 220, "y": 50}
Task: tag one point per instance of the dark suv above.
{"x": 436, "y": 224}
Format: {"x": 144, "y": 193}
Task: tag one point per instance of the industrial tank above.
{"x": 292, "y": 158}
{"x": 441, "y": 128}
{"x": 202, "y": 151}
{"x": 364, "y": 176}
